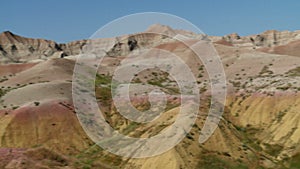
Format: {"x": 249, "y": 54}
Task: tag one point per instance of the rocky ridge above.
{"x": 259, "y": 128}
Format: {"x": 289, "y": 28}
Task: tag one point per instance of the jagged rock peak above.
{"x": 161, "y": 29}
{"x": 6, "y": 33}
{"x": 7, "y": 36}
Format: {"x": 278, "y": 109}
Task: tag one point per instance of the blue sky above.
{"x": 67, "y": 20}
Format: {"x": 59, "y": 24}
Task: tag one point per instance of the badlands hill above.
{"x": 260, "y": 127}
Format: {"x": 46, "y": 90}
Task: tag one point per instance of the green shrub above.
{"x": 294, "y": 72}
{"x": 102, "y": 79}
{"x": 2, "y": 92}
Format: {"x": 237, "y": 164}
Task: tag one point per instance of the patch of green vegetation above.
{"x": 87, "y": 163}
{"x": 273, "y": 149}
{"x": 104, "y": 88}
{"x": 86, "y": 167}
{"x": 248, "y": 137}
{"x": 132, "y": 126}
{"x": 2, "y": 92}
{"x": 37, "y": 145}
{"x": 102, "y": 80}
{"x": 280, "y": 115}
{"x": 94, "y": 157}
{"x": 294, "y": 72}
{"x": 157, "y": 82}
{"x": 295, "y": 162}
{"x": 214, "y": 162}
{"x": 173, "y": 90}
{"x": 59, "y": 159}
{"x": 104, "y": 94}
{"x": 284, "y": 87}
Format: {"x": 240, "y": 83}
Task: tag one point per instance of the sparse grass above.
{"x": 214, "y": 162}
{"x": 86, "y": 167}
{"x": 295, "y": 162}
{"x": 94, "y": 157}
{"x": 273, "y": 150}
{"x": 170, "y": 106}
{"x": 132, "y": 126}
{"x": 37, "y": 145}
{"x": 280, "y": 115}
{"x": 104, "y": 94}
{"x": 173, "y": 90}
{"x": 155, "y": 83}
{"x": 248, "y": 135}
{"x": 102, "y": 80}
{"x": 103, "y": 88}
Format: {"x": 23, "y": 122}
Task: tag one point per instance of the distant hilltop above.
{"x": 15, "y": 48}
